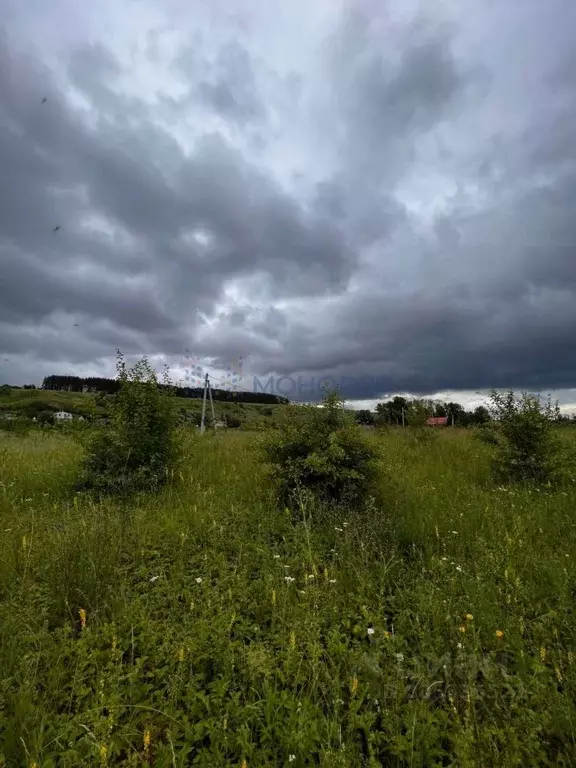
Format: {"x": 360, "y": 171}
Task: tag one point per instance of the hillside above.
{"x": 30, "y": 402}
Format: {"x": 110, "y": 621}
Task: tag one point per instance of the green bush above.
{"x": 136, "y": 449}
{"x": 317, "y": 450}
{"x": 526, "y": 447}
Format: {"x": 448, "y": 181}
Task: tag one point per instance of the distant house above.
{"x": 63, "y": 416}
{"x": 437, "y": 421}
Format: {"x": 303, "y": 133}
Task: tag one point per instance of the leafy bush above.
{"x": 364, "y": 417}
{"x": 45, "y": 418}
{"x": 317, "y": 450}
{"x": 526, "y": 447}
{"x": 136, "y": 449}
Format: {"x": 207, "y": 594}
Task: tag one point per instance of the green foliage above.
{"x": 527, "y": 448}
{"x": 417, "y": 412}
{"x": 318, "y": 451}
{"x": 45, "y": 418}
{"x": 364, "y": 417}
{"x": 136, "y": 449}
{"x": 218, "y": 628}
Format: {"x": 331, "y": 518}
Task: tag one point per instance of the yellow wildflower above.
{"x": 499, "y": 634}
{"x": 225, "y": 724}
{"x": 82, "y": 613}
{"x": 387, "y": 634}
{"x": 103, "y": 754}
{"x": 292, "y": 639}
{"x": 558, "y": 674}
{"x": 181, "y": 655}
{"x": 244, "y": 764}
{"x": 469, "y": 617}
{"x": 542, "y": 654}
{"x": 354, "y": 685}
{"x": 147, "y": 739}
{"x": 462, "y": 628}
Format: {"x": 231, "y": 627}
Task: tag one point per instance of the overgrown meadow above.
{"x": 206, "y": 625}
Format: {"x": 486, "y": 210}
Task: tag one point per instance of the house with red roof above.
{"x": 437, "y": 421}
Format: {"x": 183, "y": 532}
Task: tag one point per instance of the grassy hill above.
{"x": 30, "y": 402}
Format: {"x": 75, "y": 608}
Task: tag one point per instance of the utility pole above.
{"x": 212, "y": 405}
{"x": 207, "y": 391}
{"x": 402, "y": 416}
{"x": 204, "y": 405}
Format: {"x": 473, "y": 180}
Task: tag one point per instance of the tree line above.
{"x": 97, "y": 384}
{"x": 401, "y": 411}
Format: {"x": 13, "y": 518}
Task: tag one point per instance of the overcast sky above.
{"x": 381, "y": 191}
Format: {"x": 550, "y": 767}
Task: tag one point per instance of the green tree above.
{"x": 364, "y": 416}
{"x": 480, "y": 415}
{"x": 390, "y": 412}
{"x": 418, "y": 411}
{"x": 137, "y": 448}
{"x": 526, "y": 446}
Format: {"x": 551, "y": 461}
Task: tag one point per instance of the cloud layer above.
{"x": 376, "y": 191}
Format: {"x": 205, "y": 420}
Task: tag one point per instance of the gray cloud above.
{"x": 381, "y": 194}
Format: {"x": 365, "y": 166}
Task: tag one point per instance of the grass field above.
{"x": 203, "y": 626}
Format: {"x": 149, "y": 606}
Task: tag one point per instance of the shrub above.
{"x": 527, "y": 448}
{"x": 364, "y": 417}
{"x": 317, "y": 450}
{"x": 136, "y": 449}
{"x": 45, "y": 418}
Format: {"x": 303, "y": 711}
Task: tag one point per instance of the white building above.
{"x": 63, "y": 416}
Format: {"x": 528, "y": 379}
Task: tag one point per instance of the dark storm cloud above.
{"x": 58, "y": 167}
{"x": 425, "y": 240}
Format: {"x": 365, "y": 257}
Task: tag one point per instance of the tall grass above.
{"x": 205, "y": 626}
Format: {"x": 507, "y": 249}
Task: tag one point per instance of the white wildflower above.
{"x": 291, "y": 758}
{"x": 154, "y": 578}
{"x": 340, "y": 530}
{"x": 458, "y": 568}
{"x": 276, "y": 557}
{"x": 400, "y": 656}
{"x": 370, "y": 630}
{"x": 454, "y": 532}
{"x": 199, "y": 580}
{"x": 333, "y": 581}
{"x": 289, "y": 579}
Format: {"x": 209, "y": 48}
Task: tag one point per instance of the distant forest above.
{"x": 111, "y": 386}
